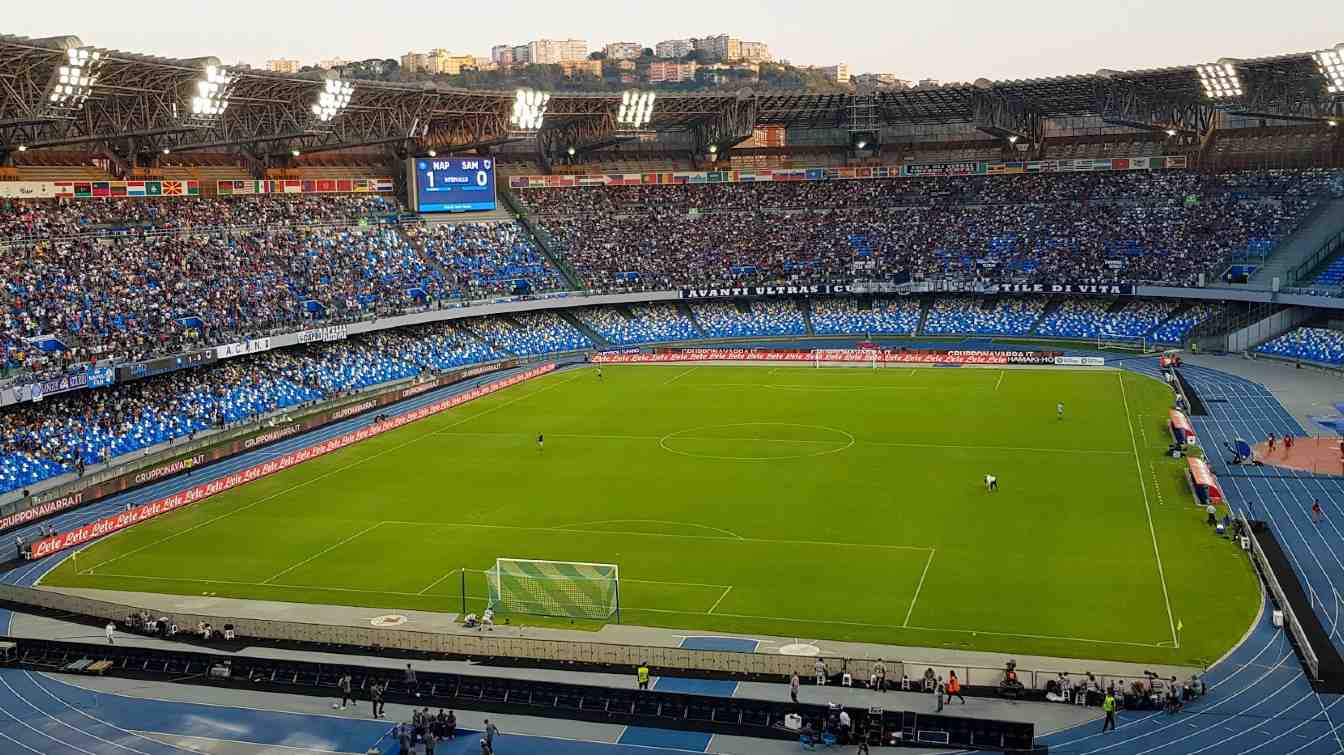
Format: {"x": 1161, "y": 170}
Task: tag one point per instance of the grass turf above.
{"x": 844, "y": 504}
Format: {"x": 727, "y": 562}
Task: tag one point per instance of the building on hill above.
{"x": 674, "y": 48}
{"x": 573, "y": 68}
{"x": 665, "y": 72}
{"x": 522, "y": 54}
{"x": 623, "y": 50}
{"x": 552, "y": 51}
{"x": 283, "y": 65}
{"x": 502, "y": 55}
{"x": 838, "y": 73}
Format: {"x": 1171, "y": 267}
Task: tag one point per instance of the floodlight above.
{"x": 1171, "y": 132}
{"x": 570, "y": 151}
{"x": 295, "y": 152}
{"x": 73, "y": 80}
{"x": 1331, "y": 65}
{"x": 713, "y": 148}
{"x": 333, "y": 99}
{"x": 212, "y": 93}
{"x": 166, "y": 150}
{"x": 861, "y": 144}
{"x": 1332, "y": 122}
{"x": 1220, "y": 80}
{"x": 1012, "y": 139}
{"x": 529, "y": 109}
{"x": 432, "y": 153}
{"x": 636, "y": 109}
{"x": 23, "y": 147}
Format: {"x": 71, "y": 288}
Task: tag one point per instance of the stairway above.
{"x": 805, "y": 305}
{"x": 568, "y": 316}
{"x": 685, "y": 309}
{"x": 1322, "y": 224}
{"x": 923, "y": 315}
{"x": 1050, "y": 308}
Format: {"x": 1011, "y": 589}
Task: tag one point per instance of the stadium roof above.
{"x": 145, "y": 101}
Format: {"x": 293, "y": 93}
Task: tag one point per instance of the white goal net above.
{"x": 554, "y": 588}
{"x": 1122, "y": 342}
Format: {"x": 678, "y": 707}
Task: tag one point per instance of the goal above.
{"x": 571, "y": 589}
{"x": 1121, "y": 342}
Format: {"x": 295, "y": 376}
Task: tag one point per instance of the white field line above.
{"x": 680, "y": 375}
{"x": 323, "y": 476}
{"x": 1148, "y": 509}
{"x": 726, "y": 590}
{"x": 712, "y": 538}
{"x": 885, "y": 444}
{"x": 999, "y": 382}
{"x": 919, "y": 588}
{"x": 439, "y": 581}
{"x": 323, "y": 552}
{"x": 1161, "y": 500}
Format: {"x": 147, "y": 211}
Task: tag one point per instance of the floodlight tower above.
{"x": 332, "y": 99}
{"x": 1331, "y": 65}
{"x": 73, "y": 81}
{"x": 1221, "y": 81}
{"x": 529, "y": 111}
{"x": 635, "y": 111}
{"x": 208, "y": 97}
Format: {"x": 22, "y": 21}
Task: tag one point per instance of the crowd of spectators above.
{"x": 759, "y": 318}
{"x": 1010, "y": 316}
{"x": 69, "y": 432}
{"x": 486, "y": 260}
{"x": 132, "y": 297}
{"x": 1160, "y": 226}
{"x": 27, "y": 219}
{"x": 528, "y": 333}
{"x": 1311, "y": 344}
{"x": 1174, "y": 330}
{"x": 846, "y": 316}
{"x": 647, "y": 323}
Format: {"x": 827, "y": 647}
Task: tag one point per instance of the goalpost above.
{"x": 1114, "y": 341}
{"x": 571, "y": 589}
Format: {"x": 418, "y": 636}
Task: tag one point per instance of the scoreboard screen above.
{"x": 453, "y": 184}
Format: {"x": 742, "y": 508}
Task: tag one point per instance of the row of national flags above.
{"x": 153, "y": 188}
{"x": 846, "y": 173}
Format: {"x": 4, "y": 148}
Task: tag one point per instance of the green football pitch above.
{"x": 843, "y": 504}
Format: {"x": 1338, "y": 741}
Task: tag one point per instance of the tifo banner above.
{"x": 60, "y": 499}
{"x": 731, "y": 291}
{"x": 191, "y": 495}
{"x": 304, "y": 186}
{"x": 916, "y": 170}
{"x": 862, "y": 356}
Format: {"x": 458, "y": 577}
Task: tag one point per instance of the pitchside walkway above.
{"x": 1259, "y": 699}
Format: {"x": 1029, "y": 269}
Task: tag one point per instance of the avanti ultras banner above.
{"x": 121, "y": 521}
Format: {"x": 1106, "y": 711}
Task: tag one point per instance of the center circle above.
{"x": 757, "y": 441}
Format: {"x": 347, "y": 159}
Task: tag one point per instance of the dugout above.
{"x": 1181, "y": 429}
{"x": 1202, "y": 481}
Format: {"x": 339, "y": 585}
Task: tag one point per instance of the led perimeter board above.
{"x": 452, "y": 184}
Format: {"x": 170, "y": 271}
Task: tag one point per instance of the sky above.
{"x": 950, "y": 41}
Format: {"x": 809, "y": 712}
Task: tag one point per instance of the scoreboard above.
{"x": 452, "y": 184}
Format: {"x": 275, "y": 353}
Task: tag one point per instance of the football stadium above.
{"x": 369, "y": 408}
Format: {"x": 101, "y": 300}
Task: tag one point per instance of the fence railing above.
{"x": 1290, "y": 621}
{"x": 478, "y": 645}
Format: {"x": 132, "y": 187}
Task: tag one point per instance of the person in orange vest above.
{"x": 954, "y": 687}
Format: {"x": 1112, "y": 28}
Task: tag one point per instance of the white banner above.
{"x": 27, "y": 189}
